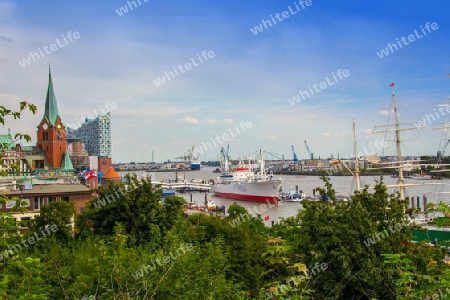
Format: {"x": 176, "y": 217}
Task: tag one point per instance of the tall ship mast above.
{"x": 399, "y": 164}
{"x": 358, "y": 182}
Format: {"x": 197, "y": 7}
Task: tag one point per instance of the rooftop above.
{"x": 111, "y": 174}
{"x": 7, "y": 141}
{"x": 43, "y": 189}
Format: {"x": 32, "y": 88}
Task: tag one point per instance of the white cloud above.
{"x": 326, "y": 134}
{"x": 211, "y": 121}
{"x": 228, "y": 121}
{"x": 188, "y": 120}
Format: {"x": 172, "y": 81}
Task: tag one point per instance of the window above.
{"x": 25, "y": 221}
{"x": 66, "y": 199}
{"x": 38, "y": 203}
{"x": 45, "y": 136}
{"x": 39, "y": 164}
{"x": 25, "y": 202}
{"x": 10, "y": 204}
{"x": 51, "y": 199}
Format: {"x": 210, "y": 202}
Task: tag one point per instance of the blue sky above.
{"x": 250, "y": 78}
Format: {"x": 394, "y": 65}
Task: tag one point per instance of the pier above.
{"x": 184, "y": 186}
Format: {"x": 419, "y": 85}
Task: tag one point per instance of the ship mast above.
{"x": 358, "y": 184}
{"x": 397, "y": 142}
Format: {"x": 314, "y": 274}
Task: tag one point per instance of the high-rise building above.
{"x": 95, "y": 134}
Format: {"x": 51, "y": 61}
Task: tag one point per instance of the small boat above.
{"x": 195, "y": 166}
{"x": 168, "y": 193}
{"x": 198, "y": 181}
{"x": 292, "y": 196}
{"x": 211, "y": 205}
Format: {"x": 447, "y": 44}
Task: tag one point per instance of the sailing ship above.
{"x": 406, "y": 165}
{"x": 247, "y": 182}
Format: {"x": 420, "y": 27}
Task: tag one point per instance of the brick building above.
{"x": 51, "y": 132}
{"x": 42, "y": 194}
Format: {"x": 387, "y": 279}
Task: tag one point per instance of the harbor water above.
{"x": 433, "y": 190}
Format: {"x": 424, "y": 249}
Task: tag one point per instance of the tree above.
{"x": 351, "y": 238}
{"x": 55, "y": 215}
{"x": 4, "y": 112}
{"x": 8, "y": 225}
{"x": 137, "y": 206}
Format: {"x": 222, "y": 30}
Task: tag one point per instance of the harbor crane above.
{"x": 189, "y": 156}
{"x": 279, "y": 157}
{"x": 225, "y": 159}
{"x": 311, "y": 155}
{"x": 294, "y": 154}
{"x": 276, "y": 156}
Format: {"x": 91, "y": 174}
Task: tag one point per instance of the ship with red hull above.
{"x": 246, "y": 182}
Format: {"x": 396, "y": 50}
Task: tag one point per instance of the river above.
{"x": 344, "y": 185}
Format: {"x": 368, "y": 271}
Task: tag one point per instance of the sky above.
{"x": 246, "y": 76}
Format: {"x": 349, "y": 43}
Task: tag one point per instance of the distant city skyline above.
{"x": 263, "y": 62}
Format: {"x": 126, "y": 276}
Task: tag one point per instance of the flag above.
{"x": 266, "y": 218}
{"x": 89, "y": 175}
{"x": 392, "y": 84}
{"x": 337, "y": 163}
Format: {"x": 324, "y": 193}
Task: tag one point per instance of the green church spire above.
{"x": 67, "y": 163}
{"x": 51, "y": 113}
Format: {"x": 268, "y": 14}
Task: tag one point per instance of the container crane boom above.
{"x": 294, "y": 154}
{"x": 309, "y": 151}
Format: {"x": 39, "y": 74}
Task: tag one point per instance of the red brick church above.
{"x": 51, "y": 132}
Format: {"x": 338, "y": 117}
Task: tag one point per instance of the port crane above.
{"x": 279, "y": 157}
{"x": 190, "y": 156}
{"x": 311, "y": 155}
{"x": 225, "y": 159}
{"x": 295, "y": 158}
{"x": 276, "y": 155}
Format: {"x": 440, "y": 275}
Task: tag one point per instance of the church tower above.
{"x": 51, "y": 133}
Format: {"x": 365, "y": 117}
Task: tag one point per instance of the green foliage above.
{"x": 235, "y": 211}
{"x": 137, "y": 206}
{"x": 57, "y": 213}
{"x": 350, "y": 238}
{"x": 245, "y": 244}
{"x": 130, "y": 247}
{"x": 288, "y": 279}
{"x": 24, "y": 105}
{"x": 443, "y": 209}
{"x": 25, "y": 280}
{"x": 4, "y": 112}
{"x": 412, "y": 283}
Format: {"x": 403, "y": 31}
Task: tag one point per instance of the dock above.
{"x": 184, "y": 186}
